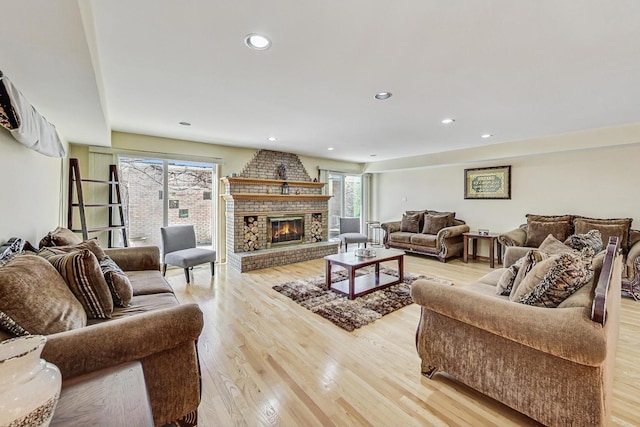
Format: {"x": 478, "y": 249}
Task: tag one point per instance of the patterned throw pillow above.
{"x": 59, "y": 237}
{"x": 592, "y": 239}
{"x": 34, "y": 299}
{"x": 529, "y": 261}
{"x": 83, "y": 275}
{"x": 554, "y": 280}
{"x": 505, "y": 283}
{"x": 433, "y": 223}
{"x": 118, "y": 282}
{"x": 91, "y": 244}
{"x": 410, "y": 223}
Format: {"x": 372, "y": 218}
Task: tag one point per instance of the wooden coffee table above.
{"x": 355, "y": 286}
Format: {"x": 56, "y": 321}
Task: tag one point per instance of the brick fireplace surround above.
{"x": 256, "y": 195}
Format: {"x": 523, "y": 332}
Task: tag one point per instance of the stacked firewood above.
{"x": 251, "y": 234}
{"x": 316, "y": 230}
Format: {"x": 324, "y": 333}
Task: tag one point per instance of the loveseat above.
{"x": 427, "y": 232}
{"x": 555, "y": 365}
{"x": 531, "y": 234}
{"x": 150, "y": 326}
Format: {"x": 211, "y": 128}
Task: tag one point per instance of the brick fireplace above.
{"x": 275, "y": 214}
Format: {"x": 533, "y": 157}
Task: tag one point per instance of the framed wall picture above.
{"x": 488, "y": 183}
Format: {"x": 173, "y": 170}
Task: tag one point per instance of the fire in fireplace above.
{"x": 285, "y": 230}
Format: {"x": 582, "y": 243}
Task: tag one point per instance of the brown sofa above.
{"x": 427, "y": 232}
{"x": 529, "y": 235}
{"x": 556, "y": 365}
{"x": 154, "y": 329}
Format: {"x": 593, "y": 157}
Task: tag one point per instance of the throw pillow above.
{"x": 505, "y": 283}
{"x": 433, "y": 223}
{"x": 92, "y": 244}
{"x": 83, "y": 275}
{"x": 60, "y": 237}
{"x": 554, "y": 280}
{"x": 118, "y": 282}
{"x": 537, "y": 231}
{"x": 553, "y": 246}
{"x": 410, "y": 223}
{"x": 529, "y": 261}
{"x": 34, "y": 299}
{"x": 618, "y": 227}
{"x": 591, "y": 239}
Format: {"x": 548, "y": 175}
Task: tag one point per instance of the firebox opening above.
{"x": 286, "y": 230}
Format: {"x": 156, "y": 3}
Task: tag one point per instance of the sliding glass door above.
{"x": 161, "y": 192}
{"x": 346, "y": 200}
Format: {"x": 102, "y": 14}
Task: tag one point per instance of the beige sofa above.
{"x": 556, "y": 365}
{"x": 154, "y": 329}
{"x": 427, "y": 232}
{"x": 529, "y": 235}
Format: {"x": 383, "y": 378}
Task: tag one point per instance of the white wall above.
{"x": 600, "y": 182}
{"x": 30, "y": 191}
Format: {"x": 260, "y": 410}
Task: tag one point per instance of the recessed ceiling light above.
{"x": 257, "y": 42}
{"x": 383, "y": 95}
{"x": 272, "y": 138}
{"x": 330, "y": 148}
{"x": 372, "y": 155}
{"x": 486, "y": 135}
{"x": 185, "y": 123}
{"x": 448, "y": 121}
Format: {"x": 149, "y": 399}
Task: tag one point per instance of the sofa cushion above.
{"x": 537, "y": 231}
{"x": 59, "y": 237}
{"x": 145, "y": 282}
{"x": 618, "y": 227}
{"x": 118, "y": 282}
{"x": 81, "y": 270}
{"x": 426, "y": 240}
{"x": 591, "y": 239}
{"x": 553, "y": 280}
{"x": 433, "y": 223}
{"x": 400, "y": 237}
{"x": 410, "y": 223}
{"x": 142, "y": 304}
{"x": 34, "y": 299}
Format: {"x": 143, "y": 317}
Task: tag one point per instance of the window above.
{"x": 184, "y": 183}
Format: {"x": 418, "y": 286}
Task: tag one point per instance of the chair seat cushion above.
{"x": 353, "y": 238}
{"x": 189, "y": 257}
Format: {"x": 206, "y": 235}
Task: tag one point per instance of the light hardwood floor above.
{"x": 267, "y": 361}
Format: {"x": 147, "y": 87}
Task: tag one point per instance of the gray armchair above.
{"x": 179, "y": 249}
{"x": 350, "y": 232}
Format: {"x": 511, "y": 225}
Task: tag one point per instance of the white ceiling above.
{"x": 514, "y": 69}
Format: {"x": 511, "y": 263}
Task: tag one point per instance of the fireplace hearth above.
{"x": 285, "y": 230}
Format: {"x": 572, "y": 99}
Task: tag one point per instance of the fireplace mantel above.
{"x": 258, "y": 181}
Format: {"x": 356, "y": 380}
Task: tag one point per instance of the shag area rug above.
{"x": 352, "y": 314}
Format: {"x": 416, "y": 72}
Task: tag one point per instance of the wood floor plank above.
{"x": 266, "y": 361}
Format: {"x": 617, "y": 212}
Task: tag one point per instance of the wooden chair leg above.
{"x": 186, "y": 274}
{"x": 212, "y": 269}
{"x": 164, "y": 269}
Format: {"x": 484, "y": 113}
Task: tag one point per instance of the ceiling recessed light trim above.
{"x": 257, "y": 41}
{"x": 185, "y": 123}
{"x": 383, "y": 95}
{"x": 448, "y": 120}
{"x": 330, "y": 148}
{"x": 272, "y": 138}
{"x": 486, "y": 135}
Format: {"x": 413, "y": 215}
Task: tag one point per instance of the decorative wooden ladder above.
{"x": 114, "y": 187}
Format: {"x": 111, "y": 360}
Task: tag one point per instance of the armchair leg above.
{"x": 213, "y": 269}
{"x": 186, "y": 274}
{"x": 164, "y": 269}
{"x": 428, "y": 370}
